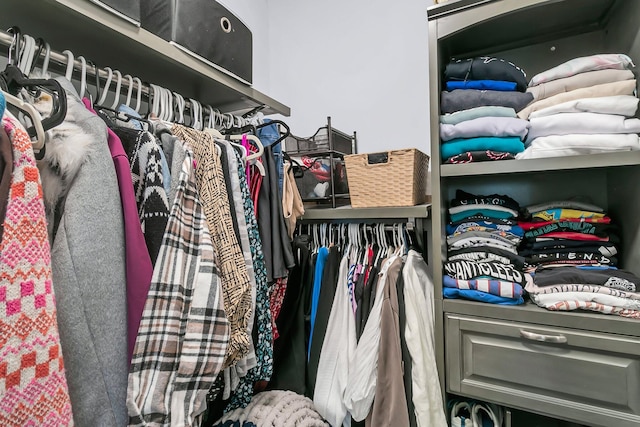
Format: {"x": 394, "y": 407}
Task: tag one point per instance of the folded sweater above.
{"x": 576, "y": 144}
{"x": 463, "y": 99}
{"x": 509, "y": 144}
{"x": 581, "y": 123}
{"x": 485, "y": 126}
{"x": 622, "y": 105}
{"x": 582, "y": 80}
{"x": 575, "y": 66}
{"x": 474, "y": 113}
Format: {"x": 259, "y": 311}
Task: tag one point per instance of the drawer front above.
{"x": 575, "y": 375}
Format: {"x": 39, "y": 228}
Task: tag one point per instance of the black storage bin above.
{"x": 127, "y": 8}
{"x": 204, "y": 28}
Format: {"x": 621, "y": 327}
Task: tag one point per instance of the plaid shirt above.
{"x": 184, "y": 332}
{"x": 238, "y": 301}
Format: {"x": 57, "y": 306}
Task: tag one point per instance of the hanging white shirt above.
{"x": 419, "y": 335}
{"x": 363, "y": 372}
{"x": 337, "y": 350}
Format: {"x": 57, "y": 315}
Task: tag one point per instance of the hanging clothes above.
{"x": 262, "y": 325}
{"x": 138, "y": 260}
{"x": 182, "y": 343}
{"x": 289, "y": 350}
{"x": 229, "y": 259}
{"x": 31, "y": 362}
{"x": 88, "y": 261}
{"x": 419, "y": 333}
{"x": 148, "y": 181}
{"x": 6, "y": 170}
{"x": 273, "y": 231}
{"x": 390, "y": 404}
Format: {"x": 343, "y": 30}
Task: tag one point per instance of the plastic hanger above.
{"x": 180, "y": 106}
{"x": 34, "y": 116}
{"x": 83, "y": 76}
{"x": 139, "y": 96}
{"x": 69, "y": 72}
{"x": 129, "y": 90}
{"x": 47, "y": 57}
{"x": 27, "y": 54}
{"x": 107, "y": 85}
{"x": 116, "y": 96}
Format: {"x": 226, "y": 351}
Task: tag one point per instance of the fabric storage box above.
{"x": 205, "y": 29}
{"x": 390, "y": 178}
{"x": 127, "y": 9}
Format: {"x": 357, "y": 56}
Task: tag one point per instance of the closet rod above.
{"x": 60, "y": 59}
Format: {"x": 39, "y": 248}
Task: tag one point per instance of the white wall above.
{"x": 362, "y": 62}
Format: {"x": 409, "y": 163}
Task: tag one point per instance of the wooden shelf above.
{"x": 626, "y": 158}
{"x": 90, "y": 30}
{"x": 347, "y": 212}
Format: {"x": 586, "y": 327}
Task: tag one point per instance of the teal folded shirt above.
{"x": 507, "y": 144}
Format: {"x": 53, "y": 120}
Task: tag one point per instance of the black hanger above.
{"x": 287, "y": 131}
{"x": 15, "y": 81}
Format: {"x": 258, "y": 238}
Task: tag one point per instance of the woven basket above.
{"x": 401, "y": 180}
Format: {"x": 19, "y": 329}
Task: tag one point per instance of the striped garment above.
{"x": 33, "y": 386}
{"x": 500, "y": 288}
{"x": 236, "y": 286}
{"x": 184, "y": 333}
{"x": 591, "y": 306}
{"x": 571, "y": 287}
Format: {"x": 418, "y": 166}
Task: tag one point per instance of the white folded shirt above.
{"x": 622, "y": 105}
{"x": 614, "y": 61}
{"x": 485, "y": 126}
{"x": 581, "y": 123}
{"x": 547, "y": 300}
{"x": 575, "y": 144}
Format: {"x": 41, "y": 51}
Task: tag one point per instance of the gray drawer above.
{"x": 580, "y": 376}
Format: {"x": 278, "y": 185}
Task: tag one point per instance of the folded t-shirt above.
{"x": 480, "y": 296}
{"x": 581, "y": 123}
{"x": 474, "y": 113}
{"x": 622, "y": 105}
{"x": 576, "y": 144}
{"x": 509, "y": 144}
{"x": 463, "y": 99}
{"x": 479, "y": 156}
{"x": 625, "y": 87}
{"x": 481, "y": 85}
{"x": 486, "y": 68}
{"x": 485, "y": 126}
{"x": 587, "y": 79}
{"x": 616, "y": 61}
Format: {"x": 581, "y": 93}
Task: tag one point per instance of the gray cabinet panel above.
{"x": 586, "y": 377}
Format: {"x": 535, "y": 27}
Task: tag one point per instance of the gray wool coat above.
{"x": 86, "y": 232}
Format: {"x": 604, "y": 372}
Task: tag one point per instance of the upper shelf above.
{"x": 473, "y": 27}
{"x": 347, "y": 213}
{"x": 89, "y": 30}
{"x": 626, "y": 158}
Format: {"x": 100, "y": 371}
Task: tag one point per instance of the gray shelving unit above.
{"x": 90, "y": 30}
{"x": 593, "y": 377}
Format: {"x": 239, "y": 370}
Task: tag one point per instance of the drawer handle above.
{"x": 557, "y": 339}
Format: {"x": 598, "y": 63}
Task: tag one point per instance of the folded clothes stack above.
{"x": 583, "y": 106}
{"x": 482, "y": 239}
{"x": 573, "y": 246}
{"x": 479, "y": 105}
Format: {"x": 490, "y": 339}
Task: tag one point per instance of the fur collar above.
{"x": 67, "y": 148}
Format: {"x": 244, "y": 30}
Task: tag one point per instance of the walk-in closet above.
{"x": 273, "y": 213}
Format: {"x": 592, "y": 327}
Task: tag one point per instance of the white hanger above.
{"x": 116, "y": 98}
{"x": 105, "y": 90}
{"x": 47, "y": 57}
{"x": 139, "y": 96}
{"x": 180, "y": 106}
{"x": 130, "y": 90}
{"x": 69, "y": 73}
{"x": 154, "y": 105}
{"x": 27, "y": 54}
{"x": 83, "y": 76}
{"x": 36, "y": 118}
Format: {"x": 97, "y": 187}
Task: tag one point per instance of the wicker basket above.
{"x": 393, "y": 178}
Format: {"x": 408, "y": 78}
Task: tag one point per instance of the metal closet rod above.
{"x": 60, "y": 59}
